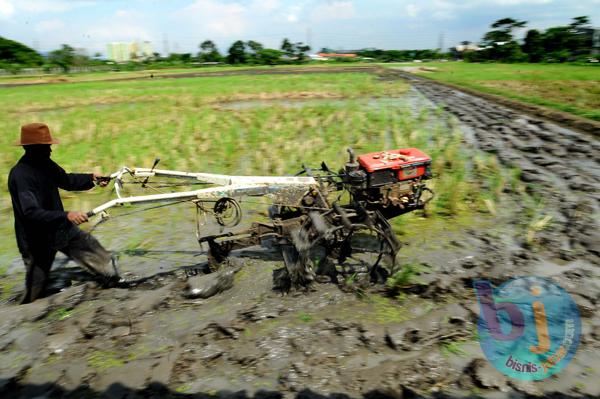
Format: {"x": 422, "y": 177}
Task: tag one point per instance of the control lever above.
{"x": 156, "y": 161}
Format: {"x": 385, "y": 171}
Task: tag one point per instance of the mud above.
{"x": 154, "y": 339}
{"x": 563, "y": 118}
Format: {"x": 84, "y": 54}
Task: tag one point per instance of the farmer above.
{"x": 42, "y": 226}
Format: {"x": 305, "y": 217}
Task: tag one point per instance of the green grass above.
{"x": 449, "y": 348}
{"x": 108, "y": 75}
{"x": 570, "y": 88}
{"x": 60, "y": 314}
{"x": 407, "y": 275}
{"x": 305, "y": 317}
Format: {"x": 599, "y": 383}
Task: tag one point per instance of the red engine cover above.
{"x": 410, "y": 162}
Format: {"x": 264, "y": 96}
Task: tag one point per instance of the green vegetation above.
{"x": 572, "y": 42}
{"x": 60, "y": 314}
{"x": 104, "y": 359}
{"x": 569, "y": 88}
{"x": 13, "y": 53}
{"x": 448, "y": 348}
{"x": 305, "y": 317}
{"x": 406, "y": 276}
{"x": 263, "y": 125}
{"x": 386, "y": 311}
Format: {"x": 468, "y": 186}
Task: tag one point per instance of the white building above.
{"x": 129, "y": 51}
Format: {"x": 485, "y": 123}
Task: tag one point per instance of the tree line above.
{"x": 572, "y": 42}
{"x": 15, "y": 55}
{"x": 576, "y": 41}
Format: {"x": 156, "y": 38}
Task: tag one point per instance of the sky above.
{"x": 180, "y": 25}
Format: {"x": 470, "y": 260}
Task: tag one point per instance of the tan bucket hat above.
{"x": 36, "y": 133}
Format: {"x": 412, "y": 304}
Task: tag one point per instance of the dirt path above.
{"x": 565, "y": 119}
{"x": 345, "y": 340}
{"x": 561, "y": 165}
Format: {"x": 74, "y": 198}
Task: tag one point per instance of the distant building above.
{"x": 129, "y": 51}
{"x": 118, "y": 52}
{"x": 337, "y": 55}
{"x": 147, "y": 50}
{"x": 461, "y": 48}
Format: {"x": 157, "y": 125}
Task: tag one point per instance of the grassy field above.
{"x": 95, "y": 76}
{"x": 569, "y": 88}
{"x": 262, "y": 125}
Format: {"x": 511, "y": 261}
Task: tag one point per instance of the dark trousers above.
{"x": 80, "y": 246}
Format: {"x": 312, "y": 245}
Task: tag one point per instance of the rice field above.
{"x": 255, "y": 125}
{"x": 569, "y": 88}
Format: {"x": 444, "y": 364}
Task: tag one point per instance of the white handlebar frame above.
{"x": 291, "y": 187}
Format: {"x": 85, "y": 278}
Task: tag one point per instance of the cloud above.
{"x": 214, "y": 18}
{"x": 265, "y": 5}
{"x": 411, "y": 10}
{"x": 519, "y": 2}
{"x": 293, "y": 14}
{"x": 48, "y": 26}
{"x": 117, "y": 32}
{"x": 44, "y": 6}
{"x": 6, "y": 9}
{"x": 334, "y": 10}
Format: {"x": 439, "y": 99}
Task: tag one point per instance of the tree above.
{"x": 254, "y": 53}
{"x": 580, "y": 22}
{"x": 295, "y": 51}
{"x": 556, "y": 43}
{"x": 12, "y": 52}
{"x": 237, "y": 53}
{"x": 533, "y": 46}
{"x": 503, "y": 31}
{"x": 500, "y": 44}
{"x": 269, "y": 56}
{"x": 287, "y": 47}
{"x": 301, "y": 50}
{"x": 62, "y": 57}
{"x": 580, "y": 41}
{"x": 209, "y": 52}
{"x": 256, "y": 47}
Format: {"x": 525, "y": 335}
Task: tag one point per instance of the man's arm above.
{"x": 33, "y": 211}
{"x": 73, "y": 181}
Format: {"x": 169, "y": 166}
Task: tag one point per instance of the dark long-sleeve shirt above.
{"x": 40, "y": 218}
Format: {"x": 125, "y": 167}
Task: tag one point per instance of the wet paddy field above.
{"x": 332, "y": 340}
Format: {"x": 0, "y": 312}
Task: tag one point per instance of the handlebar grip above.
{"x": 351, "y": 155}
{"x": 90, "y": 214}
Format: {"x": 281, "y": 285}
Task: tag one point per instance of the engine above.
{"x": 391, "y": 182}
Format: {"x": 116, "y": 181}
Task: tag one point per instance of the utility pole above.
{"x": 166, "y": 45}
{"x": 309, "y": 37}
{"x": 441, "y": 42}
{"x": 596, "y": 42}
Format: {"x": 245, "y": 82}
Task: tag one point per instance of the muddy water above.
{"x": 151, "y": 340}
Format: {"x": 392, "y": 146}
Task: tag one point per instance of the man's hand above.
{"x": 102, "y": 181}
{"x": 77, "y": 217}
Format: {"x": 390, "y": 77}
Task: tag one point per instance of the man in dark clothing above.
{"x": 42, "y": 226}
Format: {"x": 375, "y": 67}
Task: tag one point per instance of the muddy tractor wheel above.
{"x": 346, "y": 249}
{"x": 363, "y": 249}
